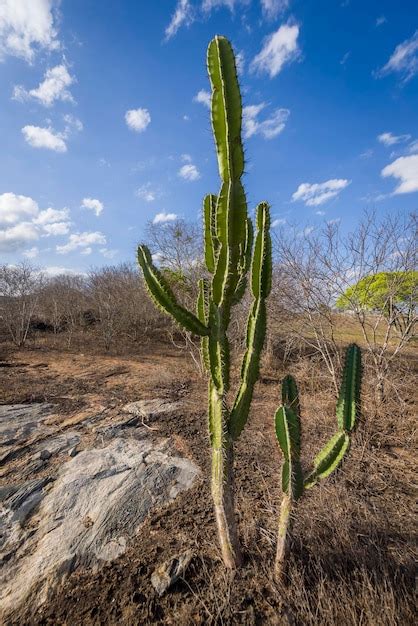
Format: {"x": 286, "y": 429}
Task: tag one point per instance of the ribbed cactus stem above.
{"x": 283, "y": 538}
{"x": 228, "y": 253}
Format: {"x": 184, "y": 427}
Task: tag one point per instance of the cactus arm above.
{"x": 226, "y": 109}
{"x": 210, "y": 237}
{"x": 256, "y": 326}
{"x": 328, "y": 459}
{"x": 164, "y": 297}
{"x": 290, "y": 394}
{"x": 287, "y": 425}
{"x": 245, "y": 263}
{"x": 348, "y": 400}
{"x": 202, "y": 310}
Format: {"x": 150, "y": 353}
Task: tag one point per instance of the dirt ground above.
{"x": 352, "y": 553}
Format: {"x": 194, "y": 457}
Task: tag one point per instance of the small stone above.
{"x": 73, "y": 451}
{"x": 167, "y": 573}
{"x": 44, "y": 455}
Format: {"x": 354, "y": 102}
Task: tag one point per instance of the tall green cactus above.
{"x": 229, "y": 256}
{"x": 288, "y": 432}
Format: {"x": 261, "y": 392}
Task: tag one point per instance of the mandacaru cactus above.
{"x": 288, "y": 432}
{"x": 230, "y": 254}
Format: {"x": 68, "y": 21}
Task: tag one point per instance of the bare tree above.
{"x": 177, "y": 246}
{"x": 19, "y": 291}
{"x": 325, "y": 268}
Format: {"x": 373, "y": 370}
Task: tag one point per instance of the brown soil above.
{"x": 352, "y": 558}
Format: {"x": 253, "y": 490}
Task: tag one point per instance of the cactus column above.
{"x": 229, "y": 254}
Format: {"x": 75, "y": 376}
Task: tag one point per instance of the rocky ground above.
{"x": 106, "y": 514}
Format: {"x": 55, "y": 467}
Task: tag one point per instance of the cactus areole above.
{"x": 230, "y": 255}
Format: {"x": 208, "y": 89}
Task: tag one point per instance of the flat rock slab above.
{"x": 147, "y": 409}
{"x": 86, "y": 516}
{"x": 18, "y": 422}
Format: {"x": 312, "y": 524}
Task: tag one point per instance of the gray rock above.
{"x": 73, "y": 451}
{"x": 146, "y": 409}
{"x": 18, "y": 423}
{"x": 167, "y": 573}
{"x": 87, "y": 516}
{"x": 45, "y": 455}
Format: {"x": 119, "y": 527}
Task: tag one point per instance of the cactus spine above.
{"x": 229, "y": 255}
{"x": 288, "y": 432}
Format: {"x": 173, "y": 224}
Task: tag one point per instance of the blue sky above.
{"x": 105, "y": 125}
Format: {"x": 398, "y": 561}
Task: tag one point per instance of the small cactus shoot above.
{"x": 288, "y": 432}
{"x": 230, "y": 255}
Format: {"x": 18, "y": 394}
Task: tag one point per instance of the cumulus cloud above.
{"x": 81, "y": 241}
{"x": 274, "y": 8}
{"x": 50, "y": 216}
{"x": 145, "y": 192}
{"x": 26, "y": 26}
{"x": 406, "y": 170}
{"x": 318, "y": 193}
{"x": 183, "y": 15}
{"x": 93, "y": 205}
{"x": 18, "y": 236}
{"x": 21, "y": 221}
{"x": 57, "y": 228}
{"x": 269, "y": 128}
{"x": 279, "y": 49}
{"x": 107, "y": 253}
{"x": 404, "y": 60}
{"x": 31, "y": 253}
{"x": 278, "y": 222}
{"x": 14, "y": 208}
{"x": 189, "y": 172}
{"x": 38, "y": 137}
{"x": 160, "y": 218}
{"x": 388, "y": 139}
{"x": 138, "y": 119}
{"x": 203, "y": 97}
{"x": 54, "y": 87}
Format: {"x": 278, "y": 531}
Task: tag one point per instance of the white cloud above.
{"x": 189, "y": 172}
{"x": 93, "y": 205}
{"x": 208, "y": 5}
{"x": 389, "y": 140}
{"x": 52, "y": 88}
{"x": 404, "y": 60}
{"x": 86, "y": 251}
{"x": 345, "y": 58}
{"x": 318, "y": 193}
{"x": 15, "y": 208}
{"x": 319, "y": 212}
{"x": 25, "y": 26}
{"x": 278, "y": 222}
{"x": 380, "y": 20}
{"x": 273, "y": 8}
{"x": 279, "y": 49}
{"x": 108, "y": 254}
{"x": 269, "y": 127}
{"x": 57, "y": 228}
{"x": 71, "y": 124}
{"x": 160, "y": 218}
{"x": 57, "y": 270}
{"x": 31, "y": 253}
{"x": 82, "y": 240}
{"x": 203, "y": 97}
{"x": 413, "y": 146}
{"x": 183, "y": 14}
{"x": 186, "y": 158}
{"x": 50, "y": 216}
{"x": 240, "y": 62}
{"x": 16, "y": 237}
{"x": 145, "y": 192}
{"x": 38, "y": 137}
{"x": 138, "y": 119}
{"x": 406, "y": 170}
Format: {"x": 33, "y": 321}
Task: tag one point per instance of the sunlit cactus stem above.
{"x": 288, "y": 432}
{"x": 229, "y": 255}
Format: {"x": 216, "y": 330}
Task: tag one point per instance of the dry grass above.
{"x": 352, "y": 560}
